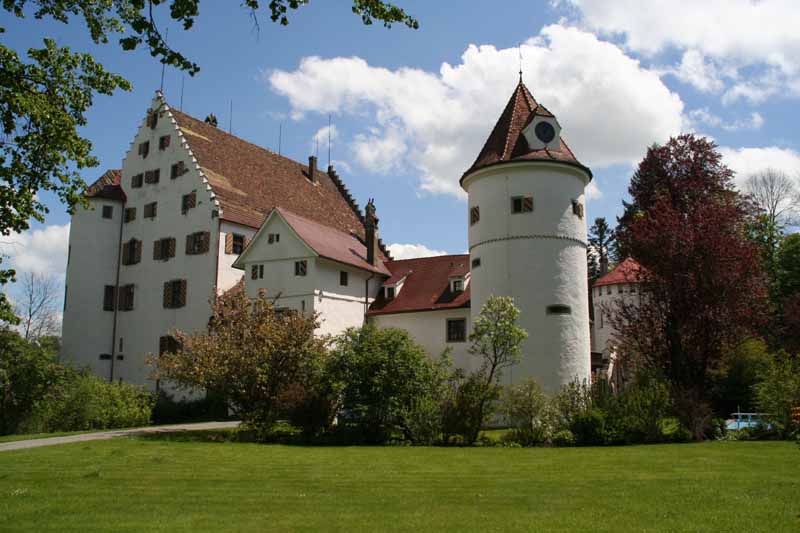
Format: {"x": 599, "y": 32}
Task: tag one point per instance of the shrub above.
{"x": 589, "y": 428}
{"x": 640, "y": 410}
{"x": 167, "y": 410}
{"x": 462, "y": 415}
{"x": 567, "y": 404}
{"x": 386, "y": 383}
{"x": 779, "y": 391}
{"x": 563, "y": 437}
{"x": 524, "y": 406}
{"x": 83, "y": 401}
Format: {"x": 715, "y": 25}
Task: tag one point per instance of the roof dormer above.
{"x": 543, "y": 132}
{"x": 459, "y": 283}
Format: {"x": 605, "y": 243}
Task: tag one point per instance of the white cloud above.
{"x": 719, "y": 36}
{"x": 704, "y": 116}
{"x": 41, "y": 251}
{"x": 593, "y": 192}
{"x": 411, "y": 251}
{"x": 434, "y": 123}
{"x": 747, "y": 161}
{"x": 322, "y": 136}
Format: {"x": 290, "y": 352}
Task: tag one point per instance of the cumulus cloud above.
{"x": 593, "y": 192}
{"x": 411, "y": 251}
{"x": 748, "y": 161}
{"x": 322, "y": 136}
{"x": 720, "y": 35}
{"x": 703, "y": 116}
{"x": 434, "y": 123}
{"x": 41, "y": 251}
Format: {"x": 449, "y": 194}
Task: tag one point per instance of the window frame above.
{"x": 389, "y": 292}
{"x": 107, "y": 212}
{"x": 475, "y": 263}
{"x": 301, "y": 268}
{"x": 344, "y": 278}
{"x": 240, "y": 244}
{"x": 462, "y": 334}
{"x": 474, "y": 215}
{"x": 525, "y": 204}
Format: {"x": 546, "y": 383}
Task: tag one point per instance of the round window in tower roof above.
{"x": 545, "y": 132}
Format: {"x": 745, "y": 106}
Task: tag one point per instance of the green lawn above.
{"x": 137, "y": 484}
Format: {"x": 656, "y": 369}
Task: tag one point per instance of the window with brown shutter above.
{"x": 237, "y": 245}
{"x": 131, "y": 252}
{"x": 474, "y": 215}
{"x": 177, "y": 170}
{"x": 130, "y": 214}
{"x": 198, "y": 243}
{"x": 163, "y": 142}
{"x": 175, "y": 294}
{"x": 168, "y": 344}
{"x": 144, "y": 149}
{"x": 152, "y": 119}
{"x": 137, "y": 181}
{"x": 521, "y": 204}
{"x": 577, "y": 208}
{"x": 125, "y": 298}
{"x": 163, "y": 249}
{"x": 188, "y": 201}
{"x": 151, "y": 210}
{"x": 109, "y": 297}
{"x": 152, "y": 176}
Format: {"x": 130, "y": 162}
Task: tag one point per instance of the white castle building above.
{"x": 194, "y": 210}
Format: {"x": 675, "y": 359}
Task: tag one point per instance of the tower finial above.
{"x": 519, "y": 49}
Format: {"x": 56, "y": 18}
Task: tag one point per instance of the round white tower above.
{"x": 527, "y": 239}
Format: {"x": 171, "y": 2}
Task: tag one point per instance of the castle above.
{"x": 194, "y": 211}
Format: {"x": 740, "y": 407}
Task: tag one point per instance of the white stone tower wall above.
{"x": 538, "y": 258}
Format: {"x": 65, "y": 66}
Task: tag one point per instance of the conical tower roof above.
{"x": 507, "y": 143}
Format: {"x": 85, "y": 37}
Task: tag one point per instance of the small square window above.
{"x": 458, "y": 285}
{"x": 389, "y": 293}
{"x": 577, "y": 208}
{"x": 238, "y": 243}
{"x": 188, "y": 201}
{"x": 163, "y": 142}
{"x": 177, "y": 170}
{"x": 144, "y": 149}
{"x": 137, "y": 181}
{"x": 150, "y": 210}
{"x": 343, "y": 278}
{"x": 300, "y": 268}
{"x": 476, "y": 262}
{"x": 152, "y": 176}
{"x": 474, "y": 215}
{"x": 272, "y": 238}
{"x": 108, "y": 211}
{"x": 130, "y": 214}
{"x": 456, "y": 329}
{"x": 521, "y": 204}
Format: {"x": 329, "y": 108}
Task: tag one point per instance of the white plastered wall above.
{"x": 227, "y": 276}
{"x": 606, "y": 300}
{"x": 538, "y": 258}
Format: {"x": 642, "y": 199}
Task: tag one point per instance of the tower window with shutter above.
{"x": 144, "y": 149}
{"x": 198, "y": 243}
{"x": 152, "y": 176}
{"x": 521, "y": 204}
{"x": 177, "y": 170}
{"x": 163, "y": 142}
{"x": 300, "y": 268}
{"x": 109, "y": 297}
{"x": 175, "y": 294}
{"x": 150, "y": 210}
{"x": 474, "y": 215}
{"x": 130, "y": 214}
{"x": 137, "y": 181}
{"x": 131, "y": 252}
{"x": 577, "y": 208}
{"x": 189, "y": 201}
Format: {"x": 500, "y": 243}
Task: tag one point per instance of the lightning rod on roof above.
{"x": 329, "y": 139}
{"x": 163, "y": 64}
{"x": 519, "y": 48}
{"x": 280, "y": 137}
{"x": 230, "y": 119}
{"x": 183, "y": 80}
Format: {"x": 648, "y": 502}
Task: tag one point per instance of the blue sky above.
{"x": 411, "y": 108}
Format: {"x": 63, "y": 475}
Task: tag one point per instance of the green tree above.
{"x": 600, "y": 250}
{"x": 44, "y": 95}
{"x": 525, "y": 408}
{"x": 387, "y": 383}
{"x": 779, "y": 391}
{"x": 788, "y": 271}
{"x": 496, "y": 339}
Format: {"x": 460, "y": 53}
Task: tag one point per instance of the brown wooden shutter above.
{"x": 189, "y": 239}
{"x": 167, "y": 294}
{"x": 527, "y": 203}
{"x": 171, "y": 247}
{"x": 205, "y": 241}
{"x": 182, "y": 293}
{"x": 229, "y": 243}
{"x": 157, "y": 252}
{"x": 246, "y": 241}
{"x": 137, "y": 251}
{"x": 163, "y": 344}
{"x": 126, "y": 254}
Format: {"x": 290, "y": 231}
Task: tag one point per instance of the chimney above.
{"x": 312, "y": 168}
{"x": 371, "y": 232}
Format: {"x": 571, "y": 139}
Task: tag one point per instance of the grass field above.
{"x": 137, "y": 484}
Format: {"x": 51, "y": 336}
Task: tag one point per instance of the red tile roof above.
{"x": 507, "y": 143}
{"x": 629, "y": 271}
{"x": 333, "y": 244}
{"x": 427, "y": 285}
{"x": 107, "y": 186}
{"x": 249, "y": 181}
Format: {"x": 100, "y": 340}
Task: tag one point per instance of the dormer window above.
{"x": 457, "y": 285}
{"x": 389, "y": 292}
{"x": 543, "y": 133}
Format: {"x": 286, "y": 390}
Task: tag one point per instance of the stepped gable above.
{"x": 249, "y": 181}
{"x": 506, "y": 143}
{"x": 107, "y": 186}
{"x": 426, "y": 286}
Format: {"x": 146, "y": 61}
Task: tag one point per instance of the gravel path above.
{"x": 103, "y": 435}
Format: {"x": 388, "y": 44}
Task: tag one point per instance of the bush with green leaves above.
{"x": 525, "y": 409}
{"x": 82, "y": 401}
{"x": 387, "y": 384}
{"x": 779, "y": 391}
